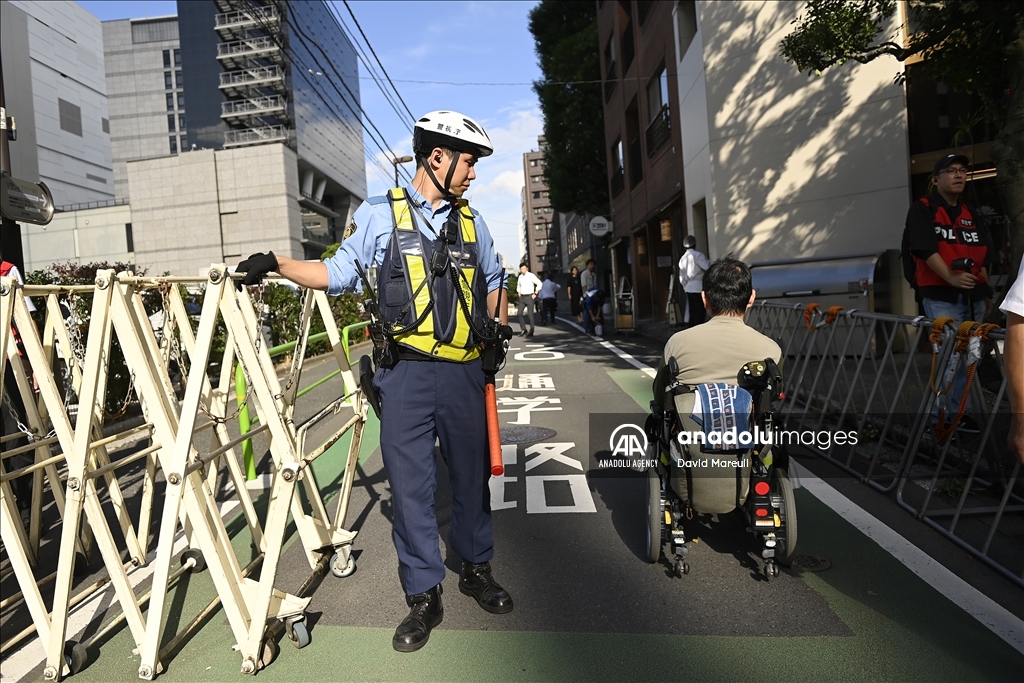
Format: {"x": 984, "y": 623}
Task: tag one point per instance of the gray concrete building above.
{"x": 144, "y": 92}
{"x": 55, "y": 89}
{"x": 539, "y": 227}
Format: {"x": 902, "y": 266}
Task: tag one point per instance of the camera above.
{"x": 962, "y": 264}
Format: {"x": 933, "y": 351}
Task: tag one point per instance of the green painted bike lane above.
{"x": 902, "y": 628}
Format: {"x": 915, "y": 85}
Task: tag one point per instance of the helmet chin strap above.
{"x": 446, "y": 190}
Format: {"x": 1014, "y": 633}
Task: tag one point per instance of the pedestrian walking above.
{"x": 692, "y": 265}
{"x": 528, "y": 287}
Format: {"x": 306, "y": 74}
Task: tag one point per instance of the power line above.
{"x": 352, "y": 14}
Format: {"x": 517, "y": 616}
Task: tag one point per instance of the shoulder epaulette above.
{"x": 380, "y": 199}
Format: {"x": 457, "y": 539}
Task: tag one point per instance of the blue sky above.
{"x": 433, "y": 44}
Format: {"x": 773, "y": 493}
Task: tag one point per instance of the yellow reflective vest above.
{"x": 426, "y": 312}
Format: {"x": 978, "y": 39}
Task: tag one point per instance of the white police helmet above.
{"x": 452, "y": 130}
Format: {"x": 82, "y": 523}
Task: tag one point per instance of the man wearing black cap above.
{"x": 951, "y": 253}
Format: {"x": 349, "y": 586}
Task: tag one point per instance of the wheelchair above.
{"x": 690, "y": 478}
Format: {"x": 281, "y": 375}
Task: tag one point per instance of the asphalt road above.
{"x": 569, "y": 547}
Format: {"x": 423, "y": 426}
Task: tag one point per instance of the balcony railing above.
{"x": 618, "y": 181}
{"x": 236, "y": 83}
{"x": 252, "y": 107}
{"x": 248, "y": 47}
{"x": 636, "y": 162}
{"x": 253, "y": 136}
{"x": 659, "y": 131}
{"x": 257, "y": 16}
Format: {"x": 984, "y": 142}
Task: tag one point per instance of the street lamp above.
{"x": 399, "y": 160}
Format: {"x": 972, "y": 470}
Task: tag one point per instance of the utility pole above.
{"x": 10, "y": 231}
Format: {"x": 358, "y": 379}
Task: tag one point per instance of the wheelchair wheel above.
{"x": 787, "y": 533}
{"x": 655, "y": 515}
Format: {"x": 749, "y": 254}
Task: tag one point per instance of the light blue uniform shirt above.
{"x": 374, "y": 228}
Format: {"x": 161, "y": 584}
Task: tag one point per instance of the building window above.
{"x": 177, "y": 57}
{"x": 537, "y": 211}
{"x": 177, "y": 78}
{"x": 170, "y": 101}
{"x": 618, "y": 177}
{"x": 184, "y": 143}
{"x": 658, "y": 130}
{"x": 535, "y": 178}
{"x": 174, "y": 145}
{"x": 129, "y": 240}
{"x": 686, "y": 18}
{"x": 181, "y": 100}
{"x": 168, "y": 83}
{"x": 70, "y": 117}
{"x": 533, "y": 163}
{"x": 536, "y": 195}
{"x": 167, "y": 65}
{"x": 545, "y": 194}
{"x": 539, "y": 226}
{"x": 170, "y": 122}
{"x": 547, "y": 209}
{"x": 181, "y": 122}
{"x": 657, "y": 92}
{"x": 105, "y": 124}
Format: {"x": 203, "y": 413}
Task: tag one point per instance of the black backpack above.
{"x": 906, "y": 258}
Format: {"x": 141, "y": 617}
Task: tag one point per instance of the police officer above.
{"x": 439, "y": 286}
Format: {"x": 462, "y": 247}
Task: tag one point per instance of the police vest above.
{"x": 423, "y": 312}
{"x": 957, "y": 239}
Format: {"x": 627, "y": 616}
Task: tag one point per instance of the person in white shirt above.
{"x": 548, "y": 290}
{"x": 692, "y": 265}
{"x": 1013, "y": 362}
{"x": 528, "y": 288}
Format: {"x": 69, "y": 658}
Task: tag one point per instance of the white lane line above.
{"x": 983, "y": 608}
{"x": 33, "y": 653}
{"x": 993, "y": 616}
{"x": 614, "y": 349}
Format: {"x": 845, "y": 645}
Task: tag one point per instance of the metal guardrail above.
{"x": 246, "y": 17}
{"x": 240, "y": 47}
{"x": 251, "y": 76}
{"x": 256, "y": 105}
{"x": 847, "y": 370}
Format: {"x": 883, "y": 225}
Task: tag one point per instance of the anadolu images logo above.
{"x": 628, "y": 441}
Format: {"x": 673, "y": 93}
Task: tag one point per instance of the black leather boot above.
{"x": 476, "y": 581}
{"x": 426, "y": 613}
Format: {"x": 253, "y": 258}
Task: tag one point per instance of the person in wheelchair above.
{"x": 719, "y": 380}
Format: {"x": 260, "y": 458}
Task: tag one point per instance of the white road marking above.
{"x": 994, "y": 617}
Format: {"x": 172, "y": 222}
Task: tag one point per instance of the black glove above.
{"x": 255, "y": 268}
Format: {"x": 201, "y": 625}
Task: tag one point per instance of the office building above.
{"x": 56, "y": 91}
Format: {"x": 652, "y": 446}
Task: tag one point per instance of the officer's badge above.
{"x": 349, "y": 231}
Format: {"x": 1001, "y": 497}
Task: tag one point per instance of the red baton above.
{"x": 493, "y": 433}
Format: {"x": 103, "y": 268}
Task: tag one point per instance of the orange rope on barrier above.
{"x": 964, "y": 333}
{"x": 936, "y": 339}
{"x": 832, "y": 314}
{"x": 809, "y": 315}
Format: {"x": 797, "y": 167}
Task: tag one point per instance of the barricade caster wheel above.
{"x": 771, "y": 570}
{"x": 196, "y": 556}
{"x": 75, "y": 656}
{"x": 682, "y": 568}
{"x": 298, "y": 633}
{"x": 339, "y": 568}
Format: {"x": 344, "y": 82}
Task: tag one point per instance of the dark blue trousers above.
{"x": 421, "y": 401}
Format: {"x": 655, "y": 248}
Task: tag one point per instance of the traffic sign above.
{"x": 21, "y": 200}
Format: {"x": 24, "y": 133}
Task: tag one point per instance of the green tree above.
{"x": 565, "y": 34}
{"x": 973, "y": 46}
